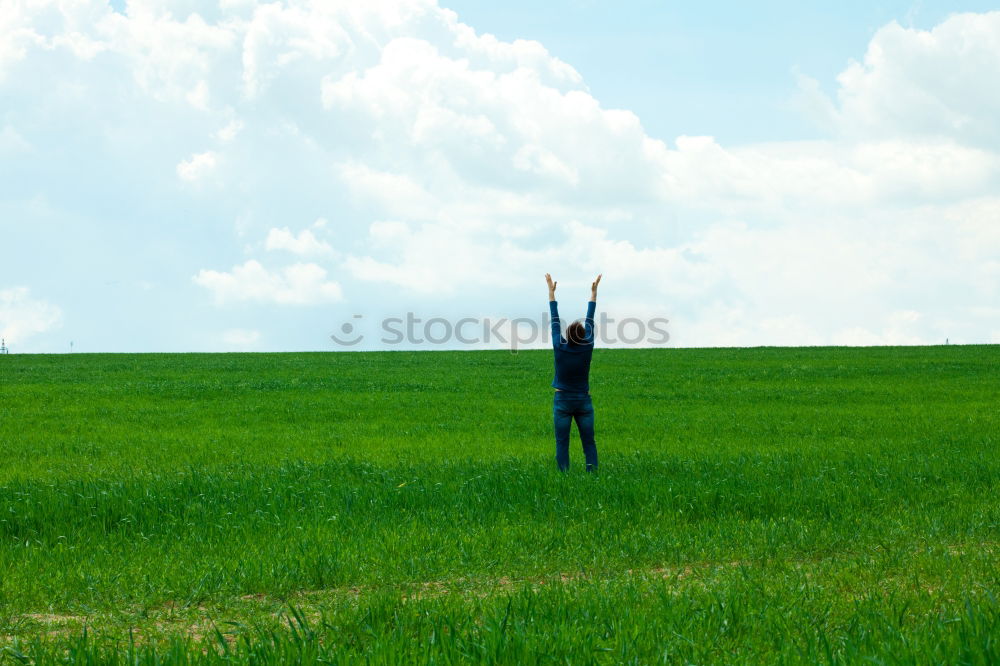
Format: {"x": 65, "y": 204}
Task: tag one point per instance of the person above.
{"x": 572, "y": 379}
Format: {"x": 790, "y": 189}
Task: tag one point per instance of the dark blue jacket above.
{"x": 573, "y": 360}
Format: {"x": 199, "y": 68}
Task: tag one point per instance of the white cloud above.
{"x": 198, "y": 166}
{"x": 305, "y": 243}
{"x": 16, "y": 36}
{"x": 11, "y": 142}
{"x": 198, "y": 96}
{"x": 280, "y": 37}
{"x": 926, "y": 83}
{"x": 436, "y": 258}
{"x": 230, "y": 131}
{"x": 298, "y": 284}
{"x": 452, "y": 123}
{"x": 169, "y": 58}
{"x": 241, "y": 337}
{"x": 397, "y": 193}
{"x": 898, "y": 329}
{"x": 22, "y": 316}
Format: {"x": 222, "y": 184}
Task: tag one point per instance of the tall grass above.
{"x": 798, "y": 505}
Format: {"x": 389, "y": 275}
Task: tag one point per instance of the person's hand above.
{"x": 552, "y": 287}
{"x": 593, "y": 288}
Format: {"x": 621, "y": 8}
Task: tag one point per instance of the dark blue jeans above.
{"x": 567, "y": 406}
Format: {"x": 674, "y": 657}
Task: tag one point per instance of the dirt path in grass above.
{"x": 197, "y": 621}
{"x": 200, "y": 620}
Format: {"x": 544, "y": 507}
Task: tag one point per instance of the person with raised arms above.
{"x": 572, "y": 379}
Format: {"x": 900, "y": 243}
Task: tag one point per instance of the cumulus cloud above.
{"x": 12, "y": 143}
{"x": 197, "y": 166}
{"x": 240, "y": 337}
{"x": 298, "y": 284}
{"x": 497, "y": 127}
{"x": 898, "y": 328}
{"x": 305, "y": 243}
{"x": 230, "y": 131}
{"x": 926, "y": 83}
{"x": 22, "y": 316}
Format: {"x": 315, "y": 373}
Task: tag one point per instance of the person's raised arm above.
{"x": 553, "y": 310}
{"x": 588, "y": 323}
{"x": 593, "y": 288}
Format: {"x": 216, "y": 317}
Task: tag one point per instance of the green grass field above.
{"x": 827, "y": 505}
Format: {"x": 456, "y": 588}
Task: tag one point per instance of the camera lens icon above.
{"x": 347, "y": 330}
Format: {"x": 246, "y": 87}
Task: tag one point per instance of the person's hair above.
{"x": 576, "y": 334}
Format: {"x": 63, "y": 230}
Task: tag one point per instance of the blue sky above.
{"x": 184, "y": 176}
